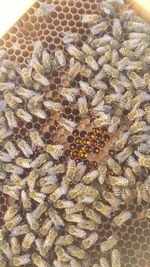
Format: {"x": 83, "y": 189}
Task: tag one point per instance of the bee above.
{"x": 102, "y": 120}
{"x": 25, "y": 148}
{"x": 4, "y": 133}
{"x": 78, "y": 207}
{"x": 103, "y": 209}
{"x": 90, "y": 240}
{"x": 31, "y": 178}
{"x": 80, "y": 170}
{"x": 23, "y": 114}
{"x": 101, "y": 50}
{"x": 121, "y": 218}
{"x": 59, "y": 55}
{"x": 9, "y": 225}
{"x": 11, "y": 212}
{"x": 99, "y": 28}
{"x": 113, "y": 165}
{"x": 118, "y": 181}
{"x": 61, "y": 254}
{"x": 121, "y": 142}
{"x": 141, "y": 193}
{"x": 55, "y": 151}
{"x": 69, "y": 93}
{"x": 41, "y": 79}
{"x": 39, "y": 261}
{"x": 134, "y": 65}
{"x": 34, "y": 225}
{"x": 87, "y": 50}
{"x": 60, "y": 191}
{"x": 25, "y": 200}
{"x": 75, "y": 52}
{"x": 113, "y": 98}
{"x": 44, "y": 11}
{"x": 122, "y": 63}
{"x": 140, "y": 98}
{"x": 82, "y": 105}
{"x": 5, "y": 248}
{"x": 90, "y": 18}
{"x": 23, "y": 162}
{"x": 56, "y": 219}
{"x": 15, "y": 245}
{"x": 35, "y": 64}
{"x": 64, "y": 240}
{"x": 11, "y": 100}
{"x": 9, "y": 64}
{"x": 133, "y": 163}
{"x": 11, "y": 168}
{"x": 140, "y": 49}
{"x": 86, "y": 88}
{"x": 144, "y": 148}
{"x": 115, "y": 57}
{"x": 117, "y": 85}
{"x": 116, "y": 258}
{"x": 71, "y": 168}
{"x": 76, "y": 252}
{"x": 144, "y": 160}
{"x": 26, "y": 75}
{"x": 48, "y": 189}
{"x": 77, "y": 190}
{"x": 20, "y": 230}
{"x": 40, "y": 248}
{"x": 99, "y": 85}
{"x": 47, "y": 180}
{"x": 127, "y": 54}
{"x": 2, "y": 261}
{"x": 27, "y": 241}
{"x": 38, "y": 197}
{"x": 37, "y": 49}
{"x": 50, "y": 238}
{"x": 21, "y": 260}
{"x": 135, "y": 113}
{"x": 77, "y": 218}
{"x": 102, "y": 169}
{"x": 109, "y": 243}
{"x": 74, "y": 68}
{"x": 147, "y": 184}
{"x": 131, "y": 43}
{"x": 39, "y": 210}
{"x": 137, "y": 26}
{"x": 130, "y": 176}
{"x": 52, "y": 105}
{"x": 136, "y": 79}
{"x": 10, "y": 117}
{"x": 67, "y": 124}
{"x": 5, "y": 157}
{"x": 116, "y": 29}
{"x": 79, "y": 233}
{"x": 70, "y": 37}
{"x": 3, "y": 54}
{"x": 46, "y": 61}
{"x": 137, "y": 126}
{"x": 74, "y": 263}
{"x": 104, "y": 262}
{"x": 110, "y": 71}
{"x": 91, "y": 62}
{"x": 113, "y": 124}
{"x": 44, "y": 229}
{"x": 11, "y": 191}
{"x": 124, "y": 154}
{"x": 36, "y": 139}
{"x": 39, "y": 160}
{"x": 39, "y": 113}
{"x": 7, "y": 86}
{"x": 90, "y": 177}
{"x": 111, "y": 199}
{"x": 25, "y": 93}
{"x": 85, "y": 199}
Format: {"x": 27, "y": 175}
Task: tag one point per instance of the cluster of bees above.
{"x": 57, "y": 206}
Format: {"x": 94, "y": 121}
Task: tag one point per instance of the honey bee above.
{"x": 116, "y": 29}
{"x": 31, "y": 178}
{"x": 38, "y": 48}
{"x": 5, "y": 248}
{"x": 39, "y": 113}
{"x": 24, "y": 147}
{"x": 103, "y": 209}
{"x": 23, "y": 114}
{"x": 86, "y": 71}
{"x": 92, "y": 215}
{"x": 79, "y": 233}
{"x": 76, "y": 252}
{"x": 55, "y": 151}
{"x": 11, "y": 100}
{"x": 113, "y": 124}
{"x": 56, "y": 219}
{"x": 46, "y": 61}
{"x": 61, "y": 254}
{"x": 34, "y": 225}
{"x": 144, "y": 148}
{"x": 134, "y": 65}
{"x": 140, "y": 98}
{"x": 99, "y": 85}
{"x": 111, "y": 199}
{"x": 69, "y": 93}
{"x": 20, "y": 230}
{"x": 109, "y": 243}
{"x": 39, "y": 210}
{"x": 91, "y": 62}
{"x": 11, "y": 168}
{"x": 113, "y": 98}
{"x": 7, "y": 86}
{"x": 77, "y": 190}
{"x": 82, "y": 105}
{"x": 60, "y": 191}
{"x": 112, "y": 164}
{"x": 124, "y": 154}
{"x": 141, "y": 193}
{"x": 50, "y": 238}
{"x": 25, "y": 93}
{"x": 70, "y": 37}
{"x": 38, "y": 197}
{"x": 118, "y": 181}
{"x": 133, "y": 163}
{"x": 122, "y": 63}
{"x": 48, "y": 189}
{"x": 135, "y": 113}
{"x": 80, "y": 170}
{"x": 44, "y": 229}
{"x": 74, "y": 68}
{"x": 88, "y": 50}
{"x": 59, "y": 55}
{"x": 140, "y": 49}
{"x": 137, "y": 126}
{"x": 102, "y": 120}
{"x": 115, "y": 57}
{"x": 90, "y": 177}
{"x": 39, "y": 160}
{"x": 36, "y": 139}
{"x": 90, "y": 240}
{"x": 75, "y": 52}
{"x": 104, "y": 262}
{"x": 110, "y": 71}
{"x": 25, "y": 200}
{"x": 5, "y": 157}
{"x": 147, "y": 184}
{"x": 67, "y": 124}
{"x": 41, "y": 79}
{"x": 9, "y": 225}
{"x": 15, "y": 245}
{"x": 3, "y": 54}
{"x": 40, "y": 248}
{"x": 45, "y": 167}
{"x": 119, "y": 220}
{"x": 64, "y": 240}
{"x": 86, "y": 88}
{"x": 117, "y": 85}
{"x": 85, "y": 199}
{"x": 47, "y": 180}
{"x": 11, "y": 191}
{"x": 27, "y": 241}
{"x": 99, "y": 28}
{"x": 75, "y": 209}
{"x": 116, "y": 258}
{"x": 35, "y": 64}
{"x": 23, "y": 162}
{"x": 131, "y": 43}
{"x": 137, "y": 26}
{"x": 11, "y": 212}
{"x": 130, "y": 176}
{"x": 136, "y": 79}
{"x": 10, "y": 117}
{"x": 17, "y": 181}
{"x": 77, "y": 218}
{"x": 120, "y": 143}
{"x": 90, "y": 18}
{"x": 11, "y": 149}
{"x": 39, "y": 261}
{"x": 71, "y": 168}
{"x": 26, "y": 75}
{"x": 144, "y": 160}
{"x": 74, "y": 263}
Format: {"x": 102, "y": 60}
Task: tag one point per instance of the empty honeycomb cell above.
{"x": 2, "y": 200}
{"x": 147, "y": 255}
{"x": 3, "y": 208}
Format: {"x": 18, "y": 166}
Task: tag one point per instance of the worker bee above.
{"x": 99, "y": 85}
{"x": 23, "y": 162}
{"x": 112, "y": 164}
{"x": 47, "y": 180}
{"x": 137, "y": 26}
{"x": 115, "y": 57}
{"x": 41, "y": 79}
{"x": 124, "y": 154}
{"x": 86, "y": 88}
{"x": 25, "y": 200}
{"x": 117, "y": 85}
{"x": 75, "y": 52}
{"x": 52, "y": 105}
{"x": 92, "y": 215}
{"x": 7, "y": 86}
{"x": 67, "y": 124}
{"x": 11, "y": 191}
{"x": 141, "y": 193}
{"x": 102, "y": 120}
{"x": 64, "y": 240}
{"x": 71, "y": 168}
{"x": 77, "y": 218}
{"x": 17, "y": 181}
{"x": 61, "y": 254}
{"x": 134, "y": 65}
{"x": 46, "y": 61}
{"x": 11, "y": 149}
{"x": 35, "y": 64}
{"x": 78, "y": 207}
{"x": 26, "y": 75}
{"x": 39, "y": 210}
{"x": 82, "y": 105}
{"x": 24, "y": 147}
{"x": 76, "y": 252}
{"x": 147, "y": 213}
{"x": 3, "y": 54}
{"x": 90, "y": 177}
{"x": 10, "y": 117}
{"x": 103, "y": 209}
{"x": 135, "y": 113}
{"x": 85, "y": 199}
{"x": 102, "y": 169}
{"x": 11, "y": 100}
{"x": 90, "y": 240}
{"x": 15, "y": 245}
{"x": 137, "y": 126}
{"x": 21, "y": 260}
{"x": 109, "y": 243}
{"x": 25, "y": 93}
{"x": 55, "y": 151}
{"x": 74, "y": 68}
{"x": 39, "y": 113}
{"x": 114, "y": 123}
{"x": 36, "y": 139}
{"x": 60, "y": 191}
{"x": 105, "y": 58}
{"x": 116, "y": 258}
{"x": 74, "y": 263}
{"x": 110, "y": 71}
{"x": 121, "y": 218}
{"x": 77, "y": 190}
{"x": 56, "y": 219}
{"x": 69, "y": 93}
{"x": 31, "y": 178}
{"x": 9, "y": 64}
{"x": 38, "y": 197}
{"x": 39, "y": 160}
{"x": 86, "y": 71}
{"x": 23, "y": 114}
{"x": 88, "y": 50}
{"x": 20, "y": 230}
{"x": 90, "y": 18}
{"x": 40, "y": 247}
{"x": 144, "y": 148}
{"x": 5, "y": 248}
{"x": 5, "y": 157}
{"x": 11, "y": 168}
{"x": 104, "y": 262}
{"x": 119, "y": 181}
{"x": 59, "y": 55}
{"x": 137, "y": 81}
{"x": 133, "y": 163}
{"x": 50, "y": 238}
{"x": 131, "y": 43}
{"x": 116, "y": 29}
{"x": 91, "y": 62}
{"x": 122, "y": 63}
{"x": 27, "y": 241}
{"x": 37, "y": 49}
{"x": 111, "y": 199}
{"x": 120, "y": 143}
{"x": 39, "y": 261}
{"x": 34, "y": 225}
{"x": 70, "y": 37}
{"x": 9, "y": 225}
{"x": 144, "y": 160}
{"x": 11, "y": 212}
{"x": 44, "y": 229}
{"x": 79, "y": 233}
{"x": 99, "y": 28}
{"x": 130, "y": 176}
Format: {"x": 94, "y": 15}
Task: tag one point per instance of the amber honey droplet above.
{"x": 75, "y": 133}
{"x": 73, "y": 146}
{"x": 106, "y": 137}
{"x": 101, "y": 144}
{"x": 80, "y": 148}
{"x": 99, "y": 136}
{"x": 86, "y": 141}
{"x": 111, "y": 152}
{"x": 70, "y": 139}
{"x": 91, "y": 135}
{"x": 75, "y": 153}
{"x": 104, "y": 130}
{"x": 83, "y": 134}
{"x": 88, "y": 149}
{"x": 93, "y": 142}
{"x": 96, "y": 150}
{"x": 78, "y": 140}
{"x": 83, "y": 155}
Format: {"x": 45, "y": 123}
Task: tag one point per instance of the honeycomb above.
{"x": 85, "y": 144}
